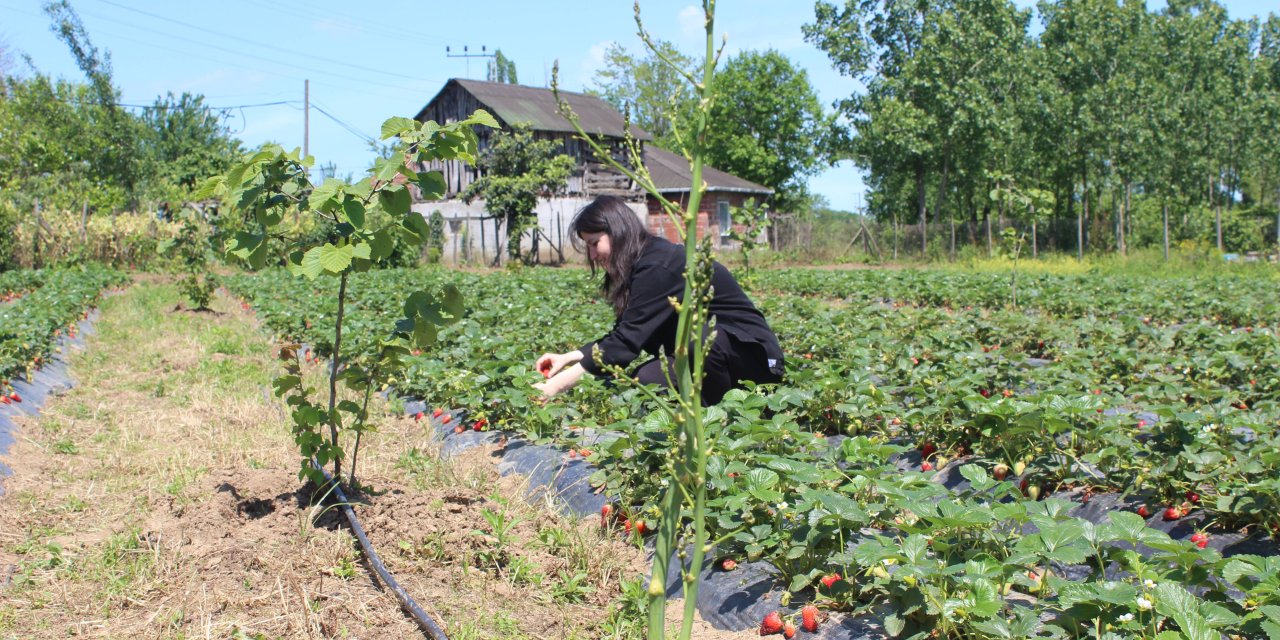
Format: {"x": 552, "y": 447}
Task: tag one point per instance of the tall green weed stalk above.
{"x": 682, "y": 528}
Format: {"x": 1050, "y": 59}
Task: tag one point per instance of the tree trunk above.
{"x": 1084, "y": 213}
{"x": 986, "y": 220}
{"x": 1035, "y": 249}
{"x": 923, "y": 212}
{"x": 895, "y": 234}
{"x": 1165, "y": 217}
{"x": 1124, "y": 218}
{"x": 940, "y": 202}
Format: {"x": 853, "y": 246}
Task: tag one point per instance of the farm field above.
{"x": 945, "y": 454}
{"x": 1102, "y": 457}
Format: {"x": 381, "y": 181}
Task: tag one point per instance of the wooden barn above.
{"x": 474, "y": 236}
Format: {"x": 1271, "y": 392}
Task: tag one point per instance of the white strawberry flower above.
{"x": 1144, "y": 604}
{"x": 1128, "y": 617}
{"x": 1149, "y": 583}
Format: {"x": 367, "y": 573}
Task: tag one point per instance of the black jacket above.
{"x": 649, "y": 322}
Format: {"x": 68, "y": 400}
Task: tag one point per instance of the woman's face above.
{"x": 598, "y": 248}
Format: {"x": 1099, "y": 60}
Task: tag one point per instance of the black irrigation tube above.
{"x": 420, "y": 616}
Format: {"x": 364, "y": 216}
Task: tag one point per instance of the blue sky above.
{"x": 370, "y": 61}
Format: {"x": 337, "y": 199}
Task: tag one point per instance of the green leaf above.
{"x": 353, "y": 208}
{"x": 284, "y": 384}
{"x": 846, "y": 508}
{"x": 1130, "y": 526}
{"x": 385, "y": 169}
{"x": 894, "y": 624}
{"x": 432, "y": 185}
{"x": 361, "y": 250}
{"x": 329, "y": 258}
{"x": 397, "y": 125}
{"x": 417, "y": 225}
{"x": 395, "y": 200}
{"x": 483, "y": 118}
{"x": 382, "y": 244}
{"x": 324, "y": 194}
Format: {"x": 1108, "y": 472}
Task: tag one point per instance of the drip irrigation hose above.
{"x": 407, "y": 602}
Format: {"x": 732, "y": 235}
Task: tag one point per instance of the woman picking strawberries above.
{"x": 641, "y": 273}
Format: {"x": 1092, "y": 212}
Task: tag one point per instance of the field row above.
{"x": 50, "y": 303}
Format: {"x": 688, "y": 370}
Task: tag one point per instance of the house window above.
{"x": 726, "y": 221}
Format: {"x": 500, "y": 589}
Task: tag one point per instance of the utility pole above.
{"x": 484, "y": 53}
{"x": 306, "y": 117}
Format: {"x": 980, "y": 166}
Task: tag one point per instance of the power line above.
{"x": 259, "y": 44}
{"x": 344, "y": 125}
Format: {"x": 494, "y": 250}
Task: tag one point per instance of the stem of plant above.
{"x": 333, "y": 374}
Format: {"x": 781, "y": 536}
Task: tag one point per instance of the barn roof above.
{"x": 535, "y": 106}
{"x": 671, "y": 174}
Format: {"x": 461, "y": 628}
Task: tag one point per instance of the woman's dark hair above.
{"x": 627, "y": 238}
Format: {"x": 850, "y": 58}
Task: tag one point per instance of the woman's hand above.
{"x": 562, "y": 381}
{"x": 550, "y": 364}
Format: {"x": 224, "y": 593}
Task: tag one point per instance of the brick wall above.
{"x": 660, "y": 224}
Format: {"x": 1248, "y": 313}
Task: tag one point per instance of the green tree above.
{"x": 516, "y": 170}
{"x": 186, "y": 141}
{"x": 120, "y": 158}
{"x": 652, "y": 89}
{"x": 767, "y": 125}
{"x": 501, "y": 69}
{"x": 876, "y": 42}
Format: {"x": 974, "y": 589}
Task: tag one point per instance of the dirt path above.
{"x": 159, "y": 499}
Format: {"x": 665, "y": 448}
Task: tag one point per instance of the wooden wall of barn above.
{"x": 590, "y": 178}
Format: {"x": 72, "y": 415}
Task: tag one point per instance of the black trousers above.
{"x": 728, "y": 364}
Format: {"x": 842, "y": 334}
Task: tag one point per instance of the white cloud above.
{"x": 692, "y": 22}
{"x": 591, "y": 63}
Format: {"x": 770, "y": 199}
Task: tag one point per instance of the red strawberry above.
{"x": 480, "y": 424}
{"x": 15, "y": 397}
{"x": 437, "y": 412}
{"x": 728, "y": 564}
{"x": 640, "y": 528}
{"x": 446, "y": 418}
{"x": 788, "y": 630}
{"x": 4, "y": 399}
{"x": 830, "y": 579}
{"x": 584, "y": 452}
{"x": 1172, "y": 513}
{"x": 1001, "y": 471}
{"x": 1144, "y": 511}
{"x": 545, "y": 369}
{"x": 1201, "y": 540}
{"x": 926, "y": 466}
{"x": 458, "y": 429}
{"x": 771, "y": 624}
{"x": 1007, "y": 393}
{"x": 985, "y": 393}
{"x": 1193, "y": 497}
{"x": 809, "y": 618}
{"x": 604, "y": 515}
{"x": 927, "y": 449}
{"x": 419, "y": 415}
